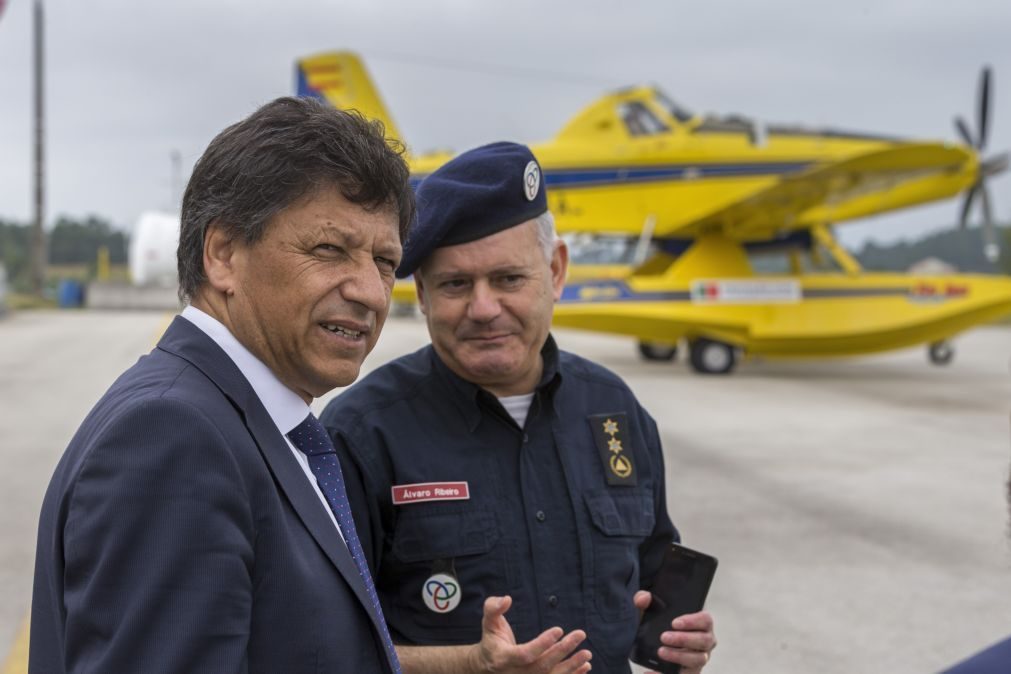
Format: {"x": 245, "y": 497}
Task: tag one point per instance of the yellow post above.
{"x": 103, "y": 263}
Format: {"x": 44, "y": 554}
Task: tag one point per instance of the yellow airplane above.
{"x": 712, "y": 197}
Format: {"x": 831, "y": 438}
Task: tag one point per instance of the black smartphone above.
{"x": 680, "y": 587}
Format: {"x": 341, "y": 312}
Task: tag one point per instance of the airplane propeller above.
{"x": 988, "y": 167}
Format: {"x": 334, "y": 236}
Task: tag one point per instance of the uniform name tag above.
{"x": 610, "y": 432}
{"x": 430, "y": 491}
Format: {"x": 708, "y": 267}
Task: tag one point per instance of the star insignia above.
{"x": 614, "y": 445}
{"x": 610, "y": 427}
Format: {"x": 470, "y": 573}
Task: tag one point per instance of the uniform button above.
{"x": 552, "y": 601}
{"x": 526, "y": 437}
{"x": 541, "y": 516}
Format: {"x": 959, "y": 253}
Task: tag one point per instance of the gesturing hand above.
{"x": 551, "y": 652}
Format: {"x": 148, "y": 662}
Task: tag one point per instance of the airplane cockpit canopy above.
{"x": 676, "y": 111}
{"x": 639, "y": 120}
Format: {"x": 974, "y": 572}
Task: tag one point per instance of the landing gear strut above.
{"x": 658, "y": 352}
{"x": 941, "y": 353}
{"x": 709, "y": 356}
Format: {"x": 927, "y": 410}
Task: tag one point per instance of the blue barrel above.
{"x": 70, "y": 294}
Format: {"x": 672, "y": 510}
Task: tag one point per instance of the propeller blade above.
{"x": 963, "y": 218}
{"x": 984, "y": 107}
{"x": 995, "y": 165}
{"x": 990, "y": 246}
{"x": 984, "y": 195}
{"x": 963, "y": 131}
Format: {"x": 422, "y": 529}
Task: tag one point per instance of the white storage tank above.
{"x": 152, "y": 251}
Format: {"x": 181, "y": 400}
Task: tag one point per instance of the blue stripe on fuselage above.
{"x": 572, "y": 178}
{"x": 575, "y": 178}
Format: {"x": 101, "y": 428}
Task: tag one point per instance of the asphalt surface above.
{"x": 857, "y": 506}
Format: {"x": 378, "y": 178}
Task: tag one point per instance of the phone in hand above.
{"x": 680, "y": 587}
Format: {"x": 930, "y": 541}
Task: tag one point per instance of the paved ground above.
{"x": 856, "y": 506}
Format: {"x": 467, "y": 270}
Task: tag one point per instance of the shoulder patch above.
{"x": 611, "y": 436}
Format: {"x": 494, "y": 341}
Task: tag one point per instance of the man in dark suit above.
{"x": 195, "y": 523}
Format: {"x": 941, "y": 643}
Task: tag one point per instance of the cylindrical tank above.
{"x": 153, "y": 250}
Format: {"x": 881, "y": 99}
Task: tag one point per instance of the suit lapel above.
{"x": 303, "y": 498}
{"x": 188, "y": 342}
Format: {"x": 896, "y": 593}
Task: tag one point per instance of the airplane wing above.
{"x": 838, "y": 191}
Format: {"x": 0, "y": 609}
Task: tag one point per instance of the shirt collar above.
{"x": 468, "y": 395}
{"x": 284, "y": 406}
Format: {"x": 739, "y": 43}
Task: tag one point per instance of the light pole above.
{"x": 38, "y": 256}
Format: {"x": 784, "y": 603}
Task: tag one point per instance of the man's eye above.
{"x": 454, "y": 284}
{"x": 386, "y": 263}
{"x": 327, "y": 249}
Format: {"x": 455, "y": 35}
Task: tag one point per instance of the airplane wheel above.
{"x": 658, "y": 352}
{"x": 711, "y": 357}
{"x": 941, "y": 353}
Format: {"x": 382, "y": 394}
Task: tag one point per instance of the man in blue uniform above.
{"x": 491, "y": 471}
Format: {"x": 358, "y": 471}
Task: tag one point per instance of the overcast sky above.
{"x": 131, "y": 81}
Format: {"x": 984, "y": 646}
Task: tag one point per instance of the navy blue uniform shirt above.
{"x": 567, "y": 514}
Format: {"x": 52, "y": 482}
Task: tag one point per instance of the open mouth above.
{"x": 342, "y": 331}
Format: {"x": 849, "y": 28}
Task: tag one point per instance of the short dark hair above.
{"x": 283, "y": 152}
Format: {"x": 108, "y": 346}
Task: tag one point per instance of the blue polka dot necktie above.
{"x": 310, "y": 438}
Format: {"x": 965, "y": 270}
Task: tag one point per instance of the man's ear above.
{"x": 419, "y": 288}
{"x": 219, "y": 259}
{"x": 559, "y": 267}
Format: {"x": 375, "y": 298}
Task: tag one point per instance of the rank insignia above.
{"x": 610, "y": 434}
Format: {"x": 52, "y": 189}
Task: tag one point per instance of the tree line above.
{"x": 71, "y": 241}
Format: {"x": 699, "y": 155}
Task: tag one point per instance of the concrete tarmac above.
{"x": 857, "y": 506}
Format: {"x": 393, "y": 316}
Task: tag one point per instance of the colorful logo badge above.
{"x": 441, "y": 593}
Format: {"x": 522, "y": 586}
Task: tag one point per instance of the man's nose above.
{"x": 365, "y": 286}
{"x": 484, "y": 305}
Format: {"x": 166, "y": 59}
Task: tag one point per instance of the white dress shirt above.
{"x": 285, "y": 407}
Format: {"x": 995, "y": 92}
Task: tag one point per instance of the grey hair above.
{"x": 546, "y": 235}
{"x": 285, "y": 152}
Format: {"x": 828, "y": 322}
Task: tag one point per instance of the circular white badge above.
{"x": 531, "y": 180}
{"x": 441, "y": 593}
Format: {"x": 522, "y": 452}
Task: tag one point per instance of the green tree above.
{"x": 74, "y": 241}
{"x": 15, "y": 240}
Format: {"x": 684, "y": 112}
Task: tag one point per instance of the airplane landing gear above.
{"x": 658, "y": 352}
{"x": 941, "y": 353}
{"x": 711, "y": 357}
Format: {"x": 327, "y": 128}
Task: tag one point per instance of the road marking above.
{"x": 17, "y": 659}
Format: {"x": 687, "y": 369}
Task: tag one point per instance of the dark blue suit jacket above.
{"x": 179, "y": 534}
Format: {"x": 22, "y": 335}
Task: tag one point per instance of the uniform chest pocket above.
{"x": 423, "y": 542}
{"x": 622, "y": 518}
{"x": 424, "y": 536}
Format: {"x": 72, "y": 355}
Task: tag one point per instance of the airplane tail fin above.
{"x": 340, "y": 79}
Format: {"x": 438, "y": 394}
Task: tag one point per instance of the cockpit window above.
{"x": 676, "y": 111}
{"x": 640, "y": 120}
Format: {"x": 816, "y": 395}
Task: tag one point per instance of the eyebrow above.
{"x": 497, "y": 271}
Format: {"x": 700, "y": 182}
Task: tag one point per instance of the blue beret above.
{"x": 474, "y": 195}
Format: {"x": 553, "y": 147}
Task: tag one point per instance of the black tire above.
{"x": 941, "y": 353}
{"x": 658, "y": 352}
{"x": 709, "y": 356}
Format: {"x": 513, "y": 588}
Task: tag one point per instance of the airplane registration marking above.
{"x": 745, "y": 291}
